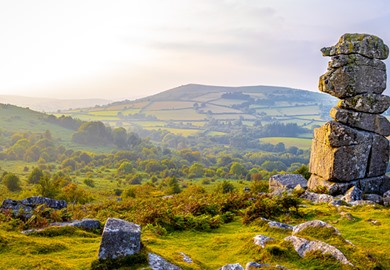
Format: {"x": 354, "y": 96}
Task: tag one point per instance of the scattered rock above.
{"x": 303, "y": 246}
{"x": 186, "y": 258}
{"x": 261, "y": 240}
{"x": 235, "y": 266}
{"x": 317, "y": 198}
{"x": 374, "y": 198}
{"x": 314, "y": 224}
{"x": 362, "y": 202}
{"x": 120, "y": 238}
{"x": 158, "y": 263}
{"x": 347, "y": 216}
{"x": 286, "y": 182}
{"x": 279, "y": 225}
{"x": 353, "y": 194}
{"x": 255, "y": 265}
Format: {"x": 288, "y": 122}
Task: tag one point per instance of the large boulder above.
{"x": 364, "y": 44}
{"x": 120, "y": 238}
{"x": 366, "y": 121}
{"x": 348, "y": 81}
{"x": 344, "y": 163}
{"x": 286, "y": 182}
{"x": 302, "y": 246}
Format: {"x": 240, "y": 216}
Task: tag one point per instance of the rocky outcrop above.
{"x": 24, "y": 208}
{"x": 302, "y": 246}
{"x": 286, "y": 182}
{"x": 353, "y": 149}
{"x": 120, "y": 238}
{"x": 159, "y": 263}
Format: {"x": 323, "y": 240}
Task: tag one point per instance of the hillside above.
{"x": 50, "y": 104}
{"x": 189, "y": 109}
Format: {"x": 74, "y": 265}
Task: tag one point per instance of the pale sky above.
{"x": 117, "y": 49}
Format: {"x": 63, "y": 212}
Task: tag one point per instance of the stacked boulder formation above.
{"x": 352, "y": 150}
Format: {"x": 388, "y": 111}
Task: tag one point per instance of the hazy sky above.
{"x": 126, "y": 49}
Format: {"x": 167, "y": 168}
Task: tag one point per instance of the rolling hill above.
{"x": 188, "y": 109}
{"x": 50, "y": 104}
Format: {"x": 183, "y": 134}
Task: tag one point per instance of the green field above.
{"x": 301, "y": 143}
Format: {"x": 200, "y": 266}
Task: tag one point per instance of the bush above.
{"x": 89, "y": 182}
{"x": 11, "y": 181}
{"x": 225, "y": 187}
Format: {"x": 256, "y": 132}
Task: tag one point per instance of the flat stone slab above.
{"x": 366, "y": 121}
{"x": 120, "y": 238}
{"x": 369, "y": 103}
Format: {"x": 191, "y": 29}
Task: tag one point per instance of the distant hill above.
{"x": 194, "y": 108}
{"x": 51, "y": 105}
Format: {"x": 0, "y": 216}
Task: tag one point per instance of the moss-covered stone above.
{"x": 367, "y": 45}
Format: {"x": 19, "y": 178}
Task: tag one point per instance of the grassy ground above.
{"x": 231, "y": 243}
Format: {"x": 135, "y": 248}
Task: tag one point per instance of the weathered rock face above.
{"x": 366, "y": 121}
{"x": 120, "y": 238}
{"x": 369, "y": 103}
{"x": 353, "y": 150}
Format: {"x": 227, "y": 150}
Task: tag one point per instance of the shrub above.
{"x": 11, "y": 181}
{"x": 225, "y": 187}
{"x": 89, "y": 182}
